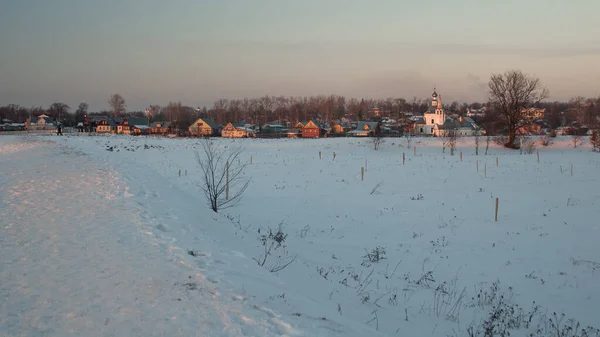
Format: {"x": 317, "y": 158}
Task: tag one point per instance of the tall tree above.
{"x": 510, "y": 93}
{"x": 117, "y": 103}
{"x": 58, "y": 110}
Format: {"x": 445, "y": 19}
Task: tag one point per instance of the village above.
{"x": 436, "y": 121}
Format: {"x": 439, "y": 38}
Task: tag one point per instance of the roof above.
{"x": 240, "y": 124}
{"x": 211, "y": 123}
{"x": 456, "y": 124}
{"x": 137, "y": 120}
{"x": 371, "y": 125}
{"x": 162, "y": 124}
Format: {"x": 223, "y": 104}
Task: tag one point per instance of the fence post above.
{"x": 362, "y": 173}
{"x": 496, "y": 213}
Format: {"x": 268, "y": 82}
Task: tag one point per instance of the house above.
{"x": 230, "y": 131}
{"x": 204, "y": 127}
{"x": 365, "y": 129}
{"x": 140, "y": 129}
{"x": 272, "y": 131}
{"x": 123, "y": 127}
{"x": 159, "y": 127}
{"x": 337, "y": 128}
{"x": 102, "y": 126}
{"x": 533, "y": 113}
{"x": 311, "y": 130}
{"x": 463, "y": 126}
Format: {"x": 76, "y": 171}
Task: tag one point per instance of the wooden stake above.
{"x": 403, "y": 158}
{"x": 496, "y": 214}
{"x": 319, "y": 154}
{"x": 538, "y": 155}
{"x": 496, "y": 161}
{"x": 460, "y": 155}
{"x": 180, "y": 172}
{"x": 250, "y": 160}
{"x": 485, "y": 170}
{"x": 227, "y": 183}
{"x": 334, "y": 155}
{"x": 362, "y": 173}
{"x": 477, "y": 165}
{"x": 365, "y": 164}
{"x": 186, "y": 172}
{"x": 414, "y": 150}
{"x": 571, "y": 170}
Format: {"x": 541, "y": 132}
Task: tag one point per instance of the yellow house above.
{"x": 103, "y": 127}
{"x": 123, "y": 128}
{"x": 203, "y": 127}
{"x": 230, "y": 131}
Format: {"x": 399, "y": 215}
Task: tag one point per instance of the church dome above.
{"x": 434, "y": 95}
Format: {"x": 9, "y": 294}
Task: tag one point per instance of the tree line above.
{"x": 260, "y": 110}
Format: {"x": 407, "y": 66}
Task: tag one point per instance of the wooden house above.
{"x": 159, "y": 128}
{"x": 204, "y": 127}
{"x": 311, "y": 130}
{"x": 123, "y": 128}
{"x": 337, "y": 128}
{"x": 365, "y": 129}
{"x": 102, "y": 126}
{"x": 230, "y": 131}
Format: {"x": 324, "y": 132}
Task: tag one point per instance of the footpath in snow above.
{"x": 78, "y": 258}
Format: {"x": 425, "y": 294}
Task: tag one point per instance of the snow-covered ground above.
{"x": 102, "y": 235}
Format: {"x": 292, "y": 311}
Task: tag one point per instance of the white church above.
{"x": 435, "y": 122}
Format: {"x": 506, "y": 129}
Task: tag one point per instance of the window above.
{"x": 432, "y": 121}
{"x": 421, "y": 129}
{"x": 432, "y": 130}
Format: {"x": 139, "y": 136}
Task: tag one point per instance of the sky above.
{"x": 197, "y": 51}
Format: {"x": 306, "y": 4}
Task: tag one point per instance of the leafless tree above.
{"x": 377, "y": 140}
{"x": 222, "y": 170}
{"x": 576, "y": 138}
{"x": 546, "y": 139}
{"x": 58, "y": 110}
{"x": 512, "y": 92}
{"x": 117, "y": 103}
{"x": 451, "y": 137}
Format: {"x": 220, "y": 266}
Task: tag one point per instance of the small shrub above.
{"x": 529, "y": 146}
{"x": 546, "y": 139}
{"x": 375, "y": 255}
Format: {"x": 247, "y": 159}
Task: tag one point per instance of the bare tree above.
{"x": 58, "y": 110}
{"x": 452, "y": 137}
{"x": 576, "y": 138}
{"x": 377, "y": 140}
{"x": 512, "y": 92}
{"x": 117, "y": 103}
{"x": 222, "y": 170}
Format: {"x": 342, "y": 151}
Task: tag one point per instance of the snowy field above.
{"x": 111, "y": 236}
